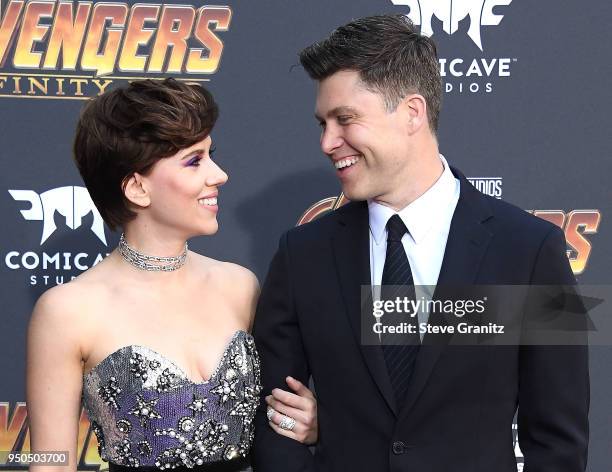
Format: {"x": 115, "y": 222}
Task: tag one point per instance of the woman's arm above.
{"x": 54, "y": 377}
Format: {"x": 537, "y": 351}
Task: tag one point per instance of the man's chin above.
{"x": 355, "y": 195}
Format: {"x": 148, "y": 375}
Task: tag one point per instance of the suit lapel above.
{"x": 466, "y": 245}
{"x": 352, "y": 257}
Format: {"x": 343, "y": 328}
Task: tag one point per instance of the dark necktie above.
{"x": 400, "y": 351}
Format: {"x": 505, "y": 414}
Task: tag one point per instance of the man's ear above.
{"x": 415, "y": 108}
{"x": 136, "y": 191}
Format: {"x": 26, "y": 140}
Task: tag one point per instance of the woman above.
{"x": 154, "y": 339}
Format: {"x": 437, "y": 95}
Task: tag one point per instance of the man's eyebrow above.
{"x": 338, "y": 111}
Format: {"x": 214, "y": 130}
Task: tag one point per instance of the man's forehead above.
{"x": 354, "y": 101}
{"x": 337, "y": 94}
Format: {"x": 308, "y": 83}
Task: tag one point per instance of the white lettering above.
{"x": 8, "y": 260}
{"x": 482, "y": 67}
{"x": 453, "y": 70}
{"x": 30, "y": 265}
{"x": 54, "y": 259}
{"x": 77, "y": 261}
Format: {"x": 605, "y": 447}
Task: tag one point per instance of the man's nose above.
{"x": 331, "y": 140}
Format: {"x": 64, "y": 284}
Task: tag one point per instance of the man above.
{"x": 430, "y": 407}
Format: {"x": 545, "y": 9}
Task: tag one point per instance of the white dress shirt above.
{"x": 428, "y": 220}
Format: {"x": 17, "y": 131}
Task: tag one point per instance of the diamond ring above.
{"x": 287, "y": 423}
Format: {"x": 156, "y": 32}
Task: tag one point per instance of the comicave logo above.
{"x": 73, "y": 204}
{"x": 450, "y": 13}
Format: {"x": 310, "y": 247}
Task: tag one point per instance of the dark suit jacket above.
{"x": 462, "y": 399}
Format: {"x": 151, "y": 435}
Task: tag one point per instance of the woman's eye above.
{"x": 194, "y": 161}
{"x": 211, "y": 151}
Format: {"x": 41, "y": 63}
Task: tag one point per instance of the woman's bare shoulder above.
{"x": 68, "y": 305}
{"x": 55, "y": 320}
{"x": 236, "y": 284}
{"x": 227, "y": 273}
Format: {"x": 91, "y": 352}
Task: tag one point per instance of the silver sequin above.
{"x": 180, "y": 422}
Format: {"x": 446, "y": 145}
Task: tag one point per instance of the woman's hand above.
{"x": 294, "y": 414}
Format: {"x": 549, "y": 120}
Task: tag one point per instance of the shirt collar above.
{"x": 420, "y": 216}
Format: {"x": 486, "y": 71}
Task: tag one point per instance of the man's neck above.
{"x": 415, "y": 180}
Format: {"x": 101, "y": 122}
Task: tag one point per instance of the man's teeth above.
{"x": 208, "y": 201}
{"x": 349, "y": 161}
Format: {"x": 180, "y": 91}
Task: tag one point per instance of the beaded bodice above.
{"x": 145, "y": 411}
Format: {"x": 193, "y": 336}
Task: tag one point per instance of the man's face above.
{"x": 368, "y": 146}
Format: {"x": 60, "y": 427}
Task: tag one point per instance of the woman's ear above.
{"x": 135, "y": 190}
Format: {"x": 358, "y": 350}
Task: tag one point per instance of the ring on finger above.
{"x": 287, "y": 423}
{"x": 270, "y": 413}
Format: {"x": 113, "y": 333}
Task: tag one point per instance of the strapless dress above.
{"x": 147, "y": 413}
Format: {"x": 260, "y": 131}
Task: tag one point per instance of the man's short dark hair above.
{"x": 127, "y": 130}
{"x": 391, "y": 56}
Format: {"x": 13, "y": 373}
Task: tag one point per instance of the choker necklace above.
{"x": 151, "y": 263}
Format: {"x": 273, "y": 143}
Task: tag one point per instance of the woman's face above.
{"x": 183, "y": 191}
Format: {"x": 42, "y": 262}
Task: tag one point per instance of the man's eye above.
{"x": 343, "y": 119}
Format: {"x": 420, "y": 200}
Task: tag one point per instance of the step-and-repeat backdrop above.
{"x": 525, "y": 116}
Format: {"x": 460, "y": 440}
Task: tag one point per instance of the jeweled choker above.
{"x": 151, "y": 263}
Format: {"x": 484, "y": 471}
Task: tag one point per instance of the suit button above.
{"x": 398, "y": 447}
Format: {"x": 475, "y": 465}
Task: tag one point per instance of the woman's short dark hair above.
{"x": 127, "y": 130}
{"x": 391, "y": 56}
